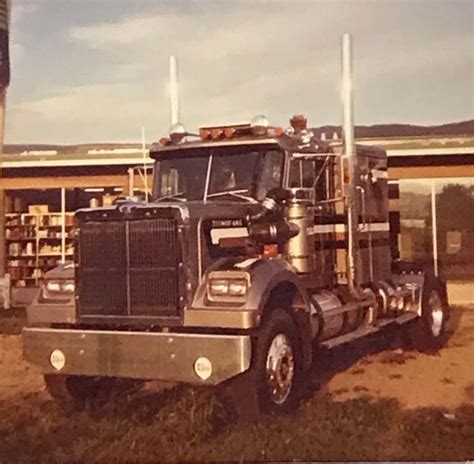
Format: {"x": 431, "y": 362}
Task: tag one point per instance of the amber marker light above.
{"x": 204, "y": 134}
{"x": 346, "y": 177}
{"x": 277, "y": 131}
{"x": 216, "y": 133}
{"x": 270, "y": 250}
{"x": 229, "y": 132}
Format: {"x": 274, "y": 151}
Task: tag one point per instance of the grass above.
{"x": 12, "y": 321}
{"x": 189, "y": 424}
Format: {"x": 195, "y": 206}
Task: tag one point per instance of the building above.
{"x": 432, "y": 178}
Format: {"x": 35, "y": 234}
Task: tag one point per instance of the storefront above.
{"x": 436, "y": 211}
{"x": 42, "y": 192}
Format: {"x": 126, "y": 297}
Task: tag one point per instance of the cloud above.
{"x": 83, "y": 113}
{"x": 19, "y": 13}
{"x": 238, "y": 59}
{"x": 109, "y": 35}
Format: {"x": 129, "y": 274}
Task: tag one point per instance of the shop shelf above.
{"x": 36, "y": 226}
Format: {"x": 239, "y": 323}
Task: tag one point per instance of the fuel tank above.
{"x": 332, "y": 317}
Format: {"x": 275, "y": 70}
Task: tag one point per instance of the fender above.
{"x": 265, "y": 276}
{"x": 271, "y": 283}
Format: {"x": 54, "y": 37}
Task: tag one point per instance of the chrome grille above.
{"x": 128, "y": 268}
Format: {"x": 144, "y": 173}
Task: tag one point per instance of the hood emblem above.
{"x": 125, "y": 209}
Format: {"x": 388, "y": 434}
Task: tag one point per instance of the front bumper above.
{"x": 141, "y": 355}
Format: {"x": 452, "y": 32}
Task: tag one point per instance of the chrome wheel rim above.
{"x": 280, "y": 368}
{"x": 436, "y": 313}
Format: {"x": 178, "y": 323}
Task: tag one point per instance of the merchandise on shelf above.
{"x": 35, "y": 243}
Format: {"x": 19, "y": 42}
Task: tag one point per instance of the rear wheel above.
{"x": 78, "y": 390}
{"x": 429, "y": 331}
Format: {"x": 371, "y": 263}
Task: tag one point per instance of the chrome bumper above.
{"x": 142, "y": 355}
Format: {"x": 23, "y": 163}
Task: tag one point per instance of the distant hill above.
{"x": 404, "y": 130}
{"x": 81, "y": 148}
{"x": 375, "y": 131}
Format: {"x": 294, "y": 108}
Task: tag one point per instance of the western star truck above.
{"x": 259, "y": 246}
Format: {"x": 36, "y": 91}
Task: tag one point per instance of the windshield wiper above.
{"x": 172, "y": 197}
{"x": 233, "y": 193}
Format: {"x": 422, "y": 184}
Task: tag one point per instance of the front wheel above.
{"x": 273, "y": 384}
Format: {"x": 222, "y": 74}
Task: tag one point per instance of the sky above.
{"x": 97, "y": 70}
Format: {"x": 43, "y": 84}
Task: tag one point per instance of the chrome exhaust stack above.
{"x": 350, "y": 156}
{"x": 174, "y": 91}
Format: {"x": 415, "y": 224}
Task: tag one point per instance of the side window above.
{"x": 272, "y": 166}
{"x": 304, "y": 174}
{"x": 169, "y": 184}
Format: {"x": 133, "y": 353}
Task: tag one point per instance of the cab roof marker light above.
{"x": 177, "y": 133}
{"x": 216, "y": 133}
{"x": 229, "y": 132}
{"x": 275, "y": 131}
{"x": 164, "y": 141}
{"x": 259, "y": 125}
{"x": 204, "y": 134}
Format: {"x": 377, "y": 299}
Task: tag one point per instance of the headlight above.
{"x": 52, "y": 286}
{"x": 223, "y": 287}
{"x": 59, "y": 286}
{"x": 227, "y": 286}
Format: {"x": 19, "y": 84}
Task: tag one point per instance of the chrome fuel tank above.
{"x": 331, "y": 317}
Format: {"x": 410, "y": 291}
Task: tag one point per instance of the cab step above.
{"x": 349, "y": 337}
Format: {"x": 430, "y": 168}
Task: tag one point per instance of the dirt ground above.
{"x": 375, "y": 399}
{"x": 443, "y": 379}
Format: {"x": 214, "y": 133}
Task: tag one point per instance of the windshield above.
{"x": 216, "y": 174}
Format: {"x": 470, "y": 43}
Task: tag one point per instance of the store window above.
{"x": 455, "y": 227}
{"x": 437, "y": 225}
{"x": 37, "y": 234}
{"x": 416, "y": 233}
{"x": 39, "y": 228}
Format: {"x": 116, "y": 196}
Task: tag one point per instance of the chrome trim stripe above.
{"x": 341, "y": 228}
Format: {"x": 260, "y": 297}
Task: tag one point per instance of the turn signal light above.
{"x": 270, "y": 250}
{"x": 216, "y": 133}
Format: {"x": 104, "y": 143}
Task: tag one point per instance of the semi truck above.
{"x": 259, "y": 246}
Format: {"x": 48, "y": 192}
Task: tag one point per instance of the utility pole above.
{"x": 4, "y": 81}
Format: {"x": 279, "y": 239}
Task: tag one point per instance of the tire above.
{"x": 79, "y": 390}
{"x": 429, "y": 331}
{"x": 274, "y": 382}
